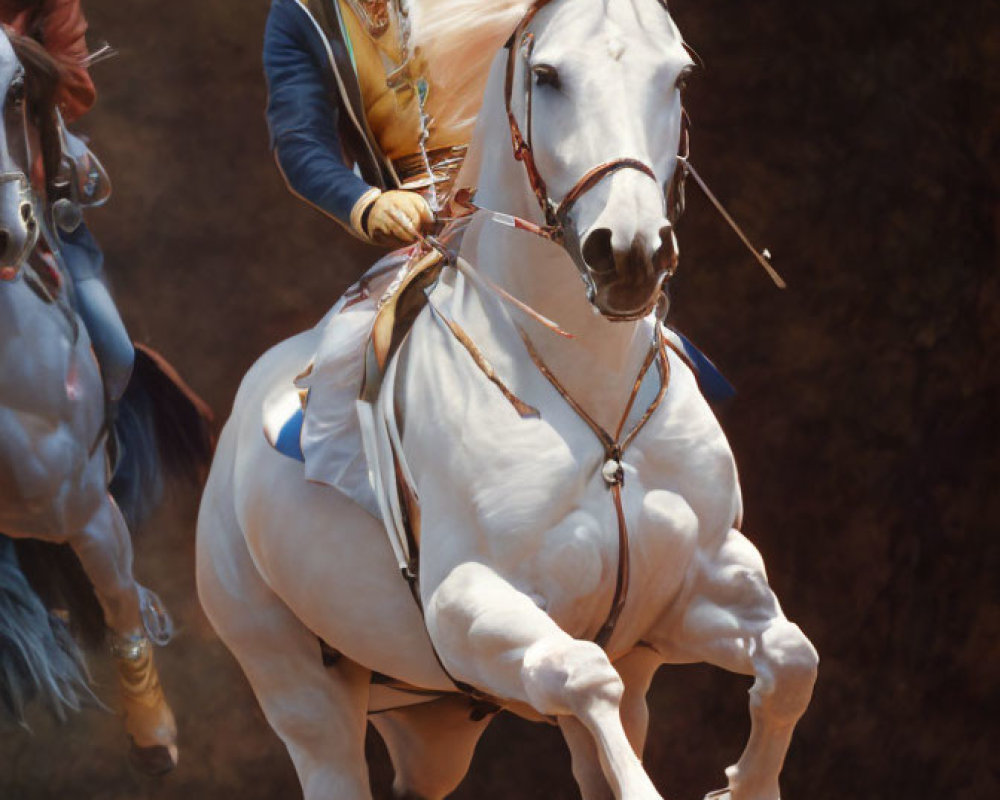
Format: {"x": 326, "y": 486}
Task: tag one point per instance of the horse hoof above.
{"x": 154, "y": 761}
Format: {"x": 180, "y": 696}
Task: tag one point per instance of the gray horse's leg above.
{"x": 104, "y": 547}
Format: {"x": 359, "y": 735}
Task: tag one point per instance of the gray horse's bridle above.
{"x": 26, "y": 213}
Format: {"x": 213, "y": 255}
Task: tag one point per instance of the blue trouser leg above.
{"x": 111, "y": 342}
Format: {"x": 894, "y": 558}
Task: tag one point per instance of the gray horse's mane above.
{"x": 460, "y": 39}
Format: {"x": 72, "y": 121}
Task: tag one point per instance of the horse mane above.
{"x": 42, "y": 76}
{"x": 460, "y": 39}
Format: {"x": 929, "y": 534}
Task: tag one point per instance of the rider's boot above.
{"x": 149, "y": 721}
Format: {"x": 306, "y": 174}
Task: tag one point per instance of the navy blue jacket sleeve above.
{"x": 302, "y": 114}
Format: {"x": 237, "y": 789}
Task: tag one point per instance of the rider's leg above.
{"x": 111, "y": 342}
{"x": 495, "y": 637}
{"x": 112, "y": 345}
{"x": 431, "y": 745}
{"x": 734, "y": 621}
{"x": 319, "y": 713}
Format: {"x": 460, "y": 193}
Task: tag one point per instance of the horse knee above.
{"x": 569, "y": 676}
{"x": 788, "y": 671}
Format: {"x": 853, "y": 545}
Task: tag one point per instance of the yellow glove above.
{"x": 395, "y": 215}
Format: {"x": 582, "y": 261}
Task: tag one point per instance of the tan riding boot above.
{"x": 149, "y": 721}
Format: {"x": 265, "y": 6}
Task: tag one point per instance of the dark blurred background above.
{"x": 857, "y": 140}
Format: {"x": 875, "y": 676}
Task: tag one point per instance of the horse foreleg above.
{"x": 319, "y": 713}
{"x": 734, "y": 621}
{"x": 636, "y": 670}
{"x": 585, "y": 759}
{"x": 104, "y": 547}
{"x": 494, "y": 637}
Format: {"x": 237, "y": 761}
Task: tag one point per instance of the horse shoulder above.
{"x": 684, "y": 452}
{"x": 509, "y": 478}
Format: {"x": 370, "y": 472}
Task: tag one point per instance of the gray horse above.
{"x": 64, "y": 508}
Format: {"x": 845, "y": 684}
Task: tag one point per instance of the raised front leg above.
{"x": 494, "y": 637}
{"x": 734, "y": 621}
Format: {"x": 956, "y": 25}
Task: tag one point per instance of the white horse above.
{"x": 54, "y": 464}
{"x": 545, "y": 526}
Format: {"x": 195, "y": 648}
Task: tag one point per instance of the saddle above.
{"x": 398, "y": 308}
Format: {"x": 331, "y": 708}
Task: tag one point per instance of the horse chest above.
{"x": 550, "y": 524}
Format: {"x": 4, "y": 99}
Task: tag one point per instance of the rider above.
{"x": 60, "y": 27}
{"x": 349, "y": 117}
{"x": 357, "y": 132}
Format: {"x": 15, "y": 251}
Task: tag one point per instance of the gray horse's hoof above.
{"x": 155, "y": 761}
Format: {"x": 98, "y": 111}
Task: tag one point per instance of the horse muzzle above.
{"x": 18, "y": 225}
{"x": 624, "y": 281}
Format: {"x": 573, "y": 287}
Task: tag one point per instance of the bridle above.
{"x": 556, "y": 227}
{"x": 555, "y": 214}
{"x": 25, "y": 195}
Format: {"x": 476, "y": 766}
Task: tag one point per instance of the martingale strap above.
{"x": 613, "y": 471}
{"x": 614, "y": 445}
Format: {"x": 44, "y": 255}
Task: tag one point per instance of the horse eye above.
{"x": 683, "y": 78}
{"x": 15, "y": 92}
{"x": 546, "y": 75}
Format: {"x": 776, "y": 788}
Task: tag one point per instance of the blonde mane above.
{"x": 459, "y": 39}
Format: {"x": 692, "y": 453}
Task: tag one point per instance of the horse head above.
{"x": 28, "y": 78}
{"x": 593, "y": 101}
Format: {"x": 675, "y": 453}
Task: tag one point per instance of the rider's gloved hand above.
{"x": 395, "y": 216}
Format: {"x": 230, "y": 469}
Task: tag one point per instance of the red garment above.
{"x": 61, "y": 28}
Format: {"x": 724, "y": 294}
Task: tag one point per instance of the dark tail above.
{"x": 39, "y": 660}
{"x": 164, "y": 430}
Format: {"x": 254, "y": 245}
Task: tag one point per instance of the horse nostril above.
{"x": 4, "y": 241}
{"x": 597, "y": 252}
{"x": 666, "y": 235}
{"x": 26, "y": 214}
{"x": 667, "y": 255}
